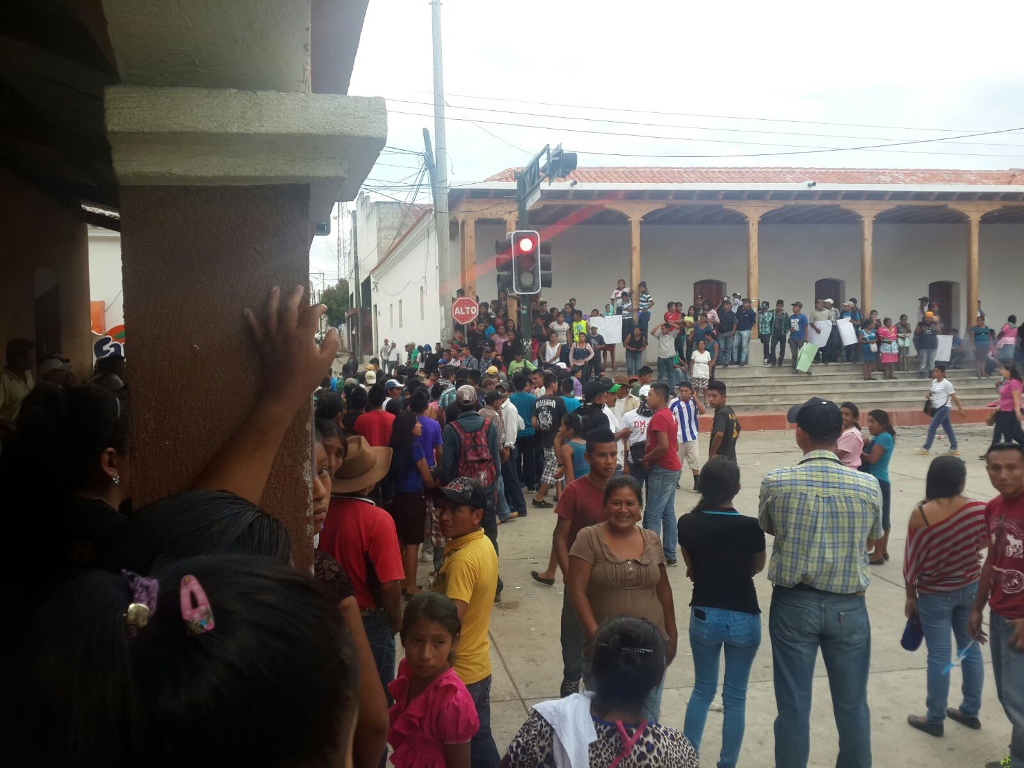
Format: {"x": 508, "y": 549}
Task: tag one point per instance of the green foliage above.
{"x": 336, "y": 300}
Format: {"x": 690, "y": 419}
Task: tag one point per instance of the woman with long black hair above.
{"x": 875, "y": 461}
{"x": 410, "y": 476}
{"x": 1009, "y": 416}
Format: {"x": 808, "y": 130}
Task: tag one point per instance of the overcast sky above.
{"x": 745, "y": 82}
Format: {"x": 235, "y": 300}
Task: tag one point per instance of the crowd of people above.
{"x": 154, "y": 635}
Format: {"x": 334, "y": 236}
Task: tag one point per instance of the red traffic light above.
{"x": 525, "y": 245}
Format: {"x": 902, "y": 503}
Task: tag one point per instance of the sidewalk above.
{"x": 527, "y": 658}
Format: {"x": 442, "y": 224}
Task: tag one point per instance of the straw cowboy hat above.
{"x": 363, "y": 466}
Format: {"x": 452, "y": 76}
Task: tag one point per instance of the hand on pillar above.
{"x": 293, "y": 364}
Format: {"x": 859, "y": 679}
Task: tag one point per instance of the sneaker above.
{"x": 541, "y": 504}
{"x": 954, "y": 452}
{"x": 1004, "y": 763}
{"x": 672, "y": 563}
{"x": 568, "y": 688}
{"x": 923, "y": 452}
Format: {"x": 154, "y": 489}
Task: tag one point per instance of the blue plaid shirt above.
{"x": 822, "y": 515}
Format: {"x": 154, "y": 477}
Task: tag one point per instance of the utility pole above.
{"x": 440, "y": 176}
{"x": 358, "y": 335}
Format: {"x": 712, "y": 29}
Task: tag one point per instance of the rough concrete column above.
{"x": 635, "y": 260}
{"x": 973, "y": 254}
{"x": 753, "y": 259}
{"x": 469, "y": 255}
{"x": 193, "y": 258}
{"x": 867, "y": 261}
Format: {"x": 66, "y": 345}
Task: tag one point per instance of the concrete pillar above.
{"x": 866, "y": 261}
{"x": 220, "y": 194}
{"x": 468, "y": 242}
{"x": 753, "y": 224}
{"x": 635, "y": 259}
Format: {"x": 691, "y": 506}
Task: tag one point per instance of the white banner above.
{"x": 819, "y": 339}
{"x": 609, "y": 327}
{"x": 847, "y": 334}
{"x": 945, "y": 350}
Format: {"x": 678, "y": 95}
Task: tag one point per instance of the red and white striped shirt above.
{"x": 946, "y": 556}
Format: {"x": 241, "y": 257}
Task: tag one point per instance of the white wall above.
{"x": 408, "y": 271}
{"x": 589, "y": 259}
{"x": 105, "y": 274}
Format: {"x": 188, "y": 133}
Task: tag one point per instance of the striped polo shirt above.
{"x": 686, "y": 418}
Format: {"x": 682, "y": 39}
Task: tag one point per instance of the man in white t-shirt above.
{"x": 685, "y": 408}
{"x": 636, "y": 422}
{"x": 666, "y": 335}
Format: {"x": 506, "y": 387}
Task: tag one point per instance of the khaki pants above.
{"x": 689, "y": 454}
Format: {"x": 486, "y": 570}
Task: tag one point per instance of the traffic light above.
{"x": 560, "y": 164}
{"x": 523, "y": 262}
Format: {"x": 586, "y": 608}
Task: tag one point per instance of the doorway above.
{"x": 708, "y": 290}
{"x": 947, "y": 295}
{"x": 830, "y": 288}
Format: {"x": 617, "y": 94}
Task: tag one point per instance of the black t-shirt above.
{"x": 727, "y": 321}
{"x": 721, "y": 546}
{"x": 726, "y": 423}
{"x": 928, "y": 336}
{"x": 549, "y": 410}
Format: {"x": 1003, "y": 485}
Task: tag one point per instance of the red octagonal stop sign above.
{"x": 464, "y": 310}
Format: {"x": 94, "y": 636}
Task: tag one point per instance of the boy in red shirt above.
{"x": 1002, "y": 587}
{"x": 662, "y": 462}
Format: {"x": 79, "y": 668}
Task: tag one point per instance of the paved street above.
{"x": 527, "y": 661}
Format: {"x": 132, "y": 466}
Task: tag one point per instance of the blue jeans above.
{"x": 927, "y": 361}
{"x": 666, "y": 370}
{"x": 482, "y": 751}
{"x": 660, "y": 512}
{"x": 939, "y": 612}
{"x": 941, "y": 418}
{"x": 503, "y": 511}
{"x": 382, "y": 645}
{"x": 634, "y": 362}
{"x": 644, "y": 321}
{"x": 740, "y": 634}
{"x": 800, "y": 623}
{"x": 510, "y": 481}
{"x": 1008, "y": 670}
{"x": 728, "y": 350}
{"x": 741, "y": 344}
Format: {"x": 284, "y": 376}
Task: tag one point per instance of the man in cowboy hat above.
{"x": 469, "y": 577}
{"x": 362, "y": 538}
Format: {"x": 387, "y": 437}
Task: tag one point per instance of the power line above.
{"x": 801, "y": 149}
{"x": 613, "y": 121}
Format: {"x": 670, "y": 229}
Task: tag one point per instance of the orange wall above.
{"x": 36, "y": 231}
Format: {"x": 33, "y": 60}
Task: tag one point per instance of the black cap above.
{"x": 798, "y": 304}
{"x": 821, "y": 419}
{"x": 462, "y": 490}
{"x": 595, "y": 387}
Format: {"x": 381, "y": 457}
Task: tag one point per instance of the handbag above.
{"x": 990, "y": 420}
{"x": 928, "y": 409}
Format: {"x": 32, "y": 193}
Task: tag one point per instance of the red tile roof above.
{"x": 841, "y": 176}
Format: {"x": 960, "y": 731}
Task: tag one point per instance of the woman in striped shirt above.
{"x": 941, "y": 568}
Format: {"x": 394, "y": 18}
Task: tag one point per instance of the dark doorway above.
{"x": 947, "y": 295}
{"x": 709, "y": 290}
{"x": 830, "y": 288}
{"x": 47, "y": 309}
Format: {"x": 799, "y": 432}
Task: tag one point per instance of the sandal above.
{"x": 538, "y": 578}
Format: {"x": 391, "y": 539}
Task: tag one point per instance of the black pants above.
{"x": 1008, "y": 429}
{"x": 778, "y": 341}
{"x": 531, "y": 460}
{"x": 766, "y": 342}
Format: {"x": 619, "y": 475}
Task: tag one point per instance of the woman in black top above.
{"x": 723, "y": 550}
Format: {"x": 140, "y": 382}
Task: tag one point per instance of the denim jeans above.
{"x": 741, "y": 343}
{"x": 528, "y": 472}
{"x": 482, "y": 751}
{"x": 382, "y": 645}
{"x": 644, "y": 321}
{"x": 502, "y": 509}
{"x": 666, "y": 371}
{"x": 801, "y": 622}
{"x": 927, "y": 361}
{"x": 940, "y": 612}
{"x": 728, "y": 347}
{"x": 571, "y": 636}
{"x": 941, "y": 418}
{"x": 740, "y": 634}
{"x": 660, "y": 512}
{"x": 510, "y": 482}
{"x": 1008, "y": 670}
{"x": 634, "y": 362}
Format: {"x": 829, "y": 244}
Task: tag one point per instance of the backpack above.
{"x": 475, "y": 460}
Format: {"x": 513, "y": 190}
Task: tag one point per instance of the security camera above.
{"x": 811, "y": 184}
{"x": 573, "y": 183}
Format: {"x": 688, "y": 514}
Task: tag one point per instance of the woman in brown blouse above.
{"x": 618, "y": 569}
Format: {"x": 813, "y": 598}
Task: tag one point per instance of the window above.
{"x": 399, "y": 313}
{"x": 423, "y": 302}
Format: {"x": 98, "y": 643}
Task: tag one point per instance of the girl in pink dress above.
{"x": 888, "y": 336}
{"x": 433, "y": 718}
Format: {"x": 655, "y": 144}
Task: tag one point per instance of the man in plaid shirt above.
{"x": 824, "y": 517}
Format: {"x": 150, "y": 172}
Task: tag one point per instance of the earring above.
{"x": 116, "y": 479}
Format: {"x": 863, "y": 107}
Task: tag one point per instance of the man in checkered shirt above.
{"x": 824, "y": 517}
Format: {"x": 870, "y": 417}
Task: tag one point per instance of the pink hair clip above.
{"x": 195, "y": 606}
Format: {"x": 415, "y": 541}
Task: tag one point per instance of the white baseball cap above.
{"x": 644, "y": 390}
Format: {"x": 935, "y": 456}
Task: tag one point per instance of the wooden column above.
{"x": 973, "y": 232}
{"x": 468, "y": 261}
{"x": 866, "y": 260}
{"x": 753, "y": 230}
{"x": 635, "y": 262}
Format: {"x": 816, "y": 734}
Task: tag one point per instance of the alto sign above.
{"x": 464, "y": 310}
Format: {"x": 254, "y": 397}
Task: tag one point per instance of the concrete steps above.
{"x": 755, "y": 389}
